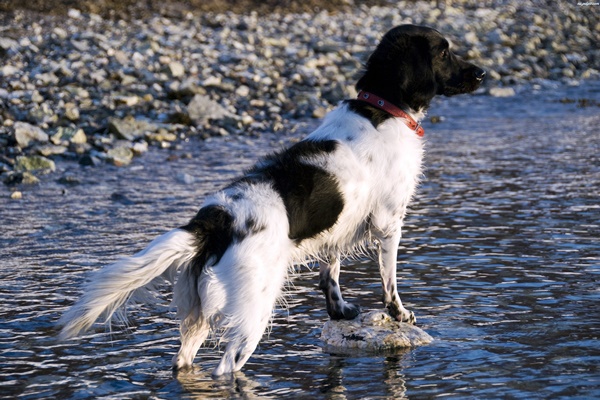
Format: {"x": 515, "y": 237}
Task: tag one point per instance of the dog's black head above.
{"x": 412, "y": 64}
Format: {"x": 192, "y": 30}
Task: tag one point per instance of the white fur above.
{"x": 128, "y": 278}
{"x": 377, "y": 170}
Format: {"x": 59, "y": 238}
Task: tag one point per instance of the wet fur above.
{"x": 347, "y": 184}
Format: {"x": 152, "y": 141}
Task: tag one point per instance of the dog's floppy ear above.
{"x": 401, "y": 69}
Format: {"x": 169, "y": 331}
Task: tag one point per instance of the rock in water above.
{"x": 373, "y": 330}
{"x": 34, "y": 163}
{"x": 120, "y": 156}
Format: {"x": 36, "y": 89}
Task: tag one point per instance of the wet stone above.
{"x": 34, "y": 163}
{"x": 69, "y": 180}
{"x": 120, "y": 156}
{"x": 90, "y": 160}
{"x": 502, "y": 91}
{"x": 373, "y": 330}
{"x": 139, "y": 148}
{"x": 21, "y": 177}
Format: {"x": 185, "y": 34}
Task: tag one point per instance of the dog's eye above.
{"x": 444, "y": 54}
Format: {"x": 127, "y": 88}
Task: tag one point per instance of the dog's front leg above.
{"x": 388, "y": 253}
{"x": 329, "y": 275}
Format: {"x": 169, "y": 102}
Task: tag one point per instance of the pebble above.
{"x": 85, "y": 81}
{"x": 26, "y": 133}
{"x": 202, "y": 109}
{"x": 66, "y": 135}
{"x": 129, "y": 128}
{"x": 177, "y": 69}
{"x": 120, "y": 156}
{"x": 185, "y": 178}
{"x": 502, "y": 91}
{"x": 139, "y": 148}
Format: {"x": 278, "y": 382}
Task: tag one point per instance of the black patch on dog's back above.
{"x": 311, "y": 195}
{"x": 213, "y": 231}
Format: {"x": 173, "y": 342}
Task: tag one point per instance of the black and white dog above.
{"x": 348, "y": 183}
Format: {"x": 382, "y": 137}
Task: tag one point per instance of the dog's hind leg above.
{"x": 253, "y": 272}
{"x": 194, "y": 327}
{"x": 193, "y": 334}
{"x": 329, "y": 275}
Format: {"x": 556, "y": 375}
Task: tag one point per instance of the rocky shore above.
{"x": 93, "y": 89}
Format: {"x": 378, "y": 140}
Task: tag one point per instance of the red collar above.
{"x": 391, "y": 109}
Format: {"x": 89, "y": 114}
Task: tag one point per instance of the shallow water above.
{"x": 500, "y": 261}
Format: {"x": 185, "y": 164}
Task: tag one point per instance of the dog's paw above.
{"x": 402, "y": 314}
{"x": 410, "y": 318}
{"x": 351, "y": 311}
{"x": 346, "y": 311}
{"x": 179, "y": 365}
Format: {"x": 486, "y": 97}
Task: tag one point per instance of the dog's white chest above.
{"x": 398, "y": 153}
{"x": 377, "y": 171}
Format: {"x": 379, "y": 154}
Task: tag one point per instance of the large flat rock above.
{"x": 373, "y": 330}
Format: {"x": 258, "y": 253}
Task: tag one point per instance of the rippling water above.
{"x": 500, "y": 262}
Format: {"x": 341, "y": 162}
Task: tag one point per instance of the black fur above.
{"x": 213, "y": 230}
{"x": 373, "y": 114}
{"x": 311, "y": 195}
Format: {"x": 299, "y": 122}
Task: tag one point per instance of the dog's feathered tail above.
{"x": 129, "y": 278}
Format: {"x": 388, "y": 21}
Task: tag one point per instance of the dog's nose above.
{"x": 479, "y": 74}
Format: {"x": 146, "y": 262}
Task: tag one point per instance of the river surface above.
{"x": 500, "y": 261}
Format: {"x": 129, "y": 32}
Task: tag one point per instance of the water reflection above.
{"x": 500, "y": 261}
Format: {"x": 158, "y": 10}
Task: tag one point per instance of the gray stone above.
{"x": 46, "y": 79}
{"x": 129, "y": 128}
{"x": 34, "y": 163}
{"x": 242, "y": 91}
{"x": 74, "y": 14}
{"x": 7, "y": 44}
{"x": 69, "y": 180}
{"x": 139, "y": 148}
{"x": 373, "y": 330}
{"x": 80, "y": 45}
{"x": 202, "y": 109}
{"x": 120, "y": 156}
{"x": 51, "y": 150}
{"x": 21, "y": 177}
{"x": 9, "y": 70}
{"x": 185, "y": 178}
{"x": 26, "y": 133}
{"x": 90, "y": 160}
{"x": 128, "y": 100}
{"x": 502, "y": 91}
{"x": 71, "y": 112}
{"x": 176, "y": 69}
{"x": 66, "y": 135}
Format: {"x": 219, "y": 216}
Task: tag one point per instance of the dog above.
{"x": 345, "y": 185}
